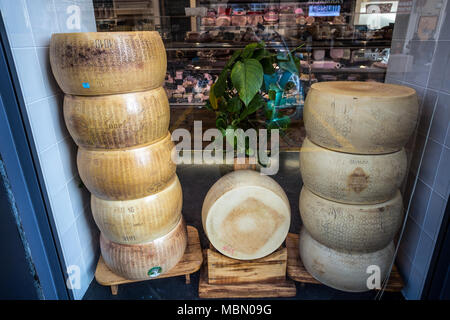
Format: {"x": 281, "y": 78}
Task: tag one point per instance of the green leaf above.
{"x": 290, "y": 85}
{"x": 279, "y": 123}
{"x": 248, "y": 50}
{"x": 295, "y": 49}
{"x": 208, "y": 105}
{"x": 221, "y": 124}
{"x": 234, "y": 104}
{"x": 222, "y": 104}
{"x": 289, "y": 66}
{"x": 260, "y": 54}
{"x": 282, "y": 57}
{"x": 256, "y": 103}
{"x": 221, "y": 83}
{"x": 235, "y": 122}
{"x": 267, "y": 64}
{"x": 269, "y": 109}
{"x": 233, "y": 58}
{"x": 212, "y": 97}
{"x": 247, "y": 78}
{"x": 272, "y": 94}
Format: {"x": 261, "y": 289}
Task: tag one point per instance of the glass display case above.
{"x": 334, "y": 40}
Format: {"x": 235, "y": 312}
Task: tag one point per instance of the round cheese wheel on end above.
{"x": 146, "y": 260}
{"x": 139, "y": 220}
{"x": 246, "y": 215}
{"x": 344, "y": 270}
{"x": 117, "y": 121}
{"x": 351, "y": 178}
{"x": 98, "y": 63}
{"x": 130, "y": 173}
{"x": 360, "y": 117}
{"x": 362, "y": 228}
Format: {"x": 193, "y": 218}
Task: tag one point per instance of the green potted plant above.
{"x": 249, "y": 91}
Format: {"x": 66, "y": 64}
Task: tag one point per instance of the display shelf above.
{"x": 309, "y": 45}
{"x": 262, "y": 2}
{"x": 273, "y": 26}
{"x": 187, "y": 104}
{"x": 348, "y": 70}
{"x": 192, "y": 53}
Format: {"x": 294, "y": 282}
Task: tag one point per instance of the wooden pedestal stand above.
{"x": 223, "y": 277}
{"x": 246, "y": 165}
{"x": 189, "y": 263}
{"x": 297, "y": 272}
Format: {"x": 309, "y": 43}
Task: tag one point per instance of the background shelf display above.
{"x": 197, "y": 48}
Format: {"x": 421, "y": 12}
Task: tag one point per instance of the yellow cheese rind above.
{"x": 361, "y": 228}
{"x": 117, "y": 121}
{"x": 125, "y": 174}
{"x": 351, "y": 178}
{"x": 99, "y": 63}
{"x": 140, "y": 220}
{"x": 344, "y": 270}
{"x": 146, "y": 260}
{"x": 360, "y": 117}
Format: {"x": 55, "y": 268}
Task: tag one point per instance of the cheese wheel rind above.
{"x": 246, "y": 215}
{"x": 117, "y": 121}
{"x": 125, "y": 174}
{"x": 351, "y": 178}
{"x": 359, "y": 228}
{"x": 344, "y": 270}
{"x": 100, "y": 63}
{"x": 140, "y": 220}
{"x": 145, "y": 260}
{"x": 360, "y": 117}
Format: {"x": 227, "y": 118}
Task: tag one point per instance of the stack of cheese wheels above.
{"x": 118, "y": 114}
{"x": 352, "y": 164}
{"x": 246, "y": 215}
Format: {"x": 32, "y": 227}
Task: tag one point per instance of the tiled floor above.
{"x": 196, "y": 181}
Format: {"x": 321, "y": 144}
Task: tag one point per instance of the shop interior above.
{"x": 385, "y": 41}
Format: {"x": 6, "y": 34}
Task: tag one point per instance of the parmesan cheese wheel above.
{"x": 139, "y": 220}
{"x": 362, "y": 228}
{"x": 246, "y": 215}
{"x": 117, "y": 121}
{"x": 97, "y": 63}
{"x": 130, "y": 173}
{"x": 146, "y": 260}
{"x": 344, "y": 270}
{"x": 351, "y": 178}
{"x": 360, "y": 117}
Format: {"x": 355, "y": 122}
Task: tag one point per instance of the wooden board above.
{"x": 190, "y": 263}
{"x": 282, "y": 288}
{"x": 247, "y": 163}
{"x": 224, "y": 270}
{"x": 297, "y": 272}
